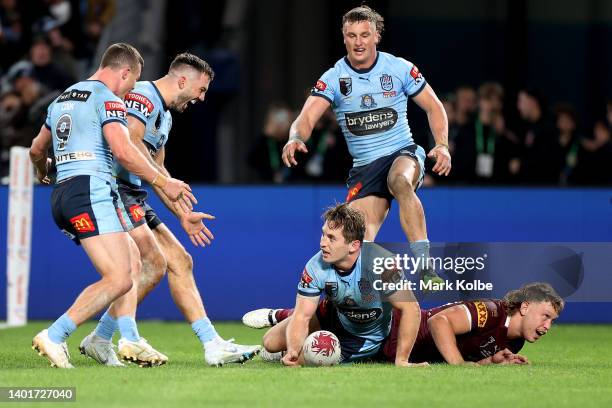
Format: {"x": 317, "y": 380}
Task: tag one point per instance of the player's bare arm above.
{"x": 438, "y": 123}
{"x": 191, "y": 221}
{"x": 297, "y": 330}
{"x": 301, "y": 128}
{"x": 38, "y": 154}
{"x": 408, "y": 327}
{"x": 444, "y": 328}
{"x": 134, "y": 161}
{"x": 137, "y": 131}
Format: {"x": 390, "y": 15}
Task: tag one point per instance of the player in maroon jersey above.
{"x": 487, "y": 331}
{"x": 484, "y": 331}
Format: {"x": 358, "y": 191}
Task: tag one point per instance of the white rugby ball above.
{"x": 321, "y": 348}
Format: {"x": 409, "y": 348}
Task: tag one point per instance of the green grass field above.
{"x": 571, "y": 366}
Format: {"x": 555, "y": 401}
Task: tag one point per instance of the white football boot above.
{"x": 57, "y": 354}
{"x": 101, "y": 350}
{"x": 218, "y": 352}
{"x": 260, "y": 318}
{"x": 140, "y": 352}
{"x": 271, "y": 357}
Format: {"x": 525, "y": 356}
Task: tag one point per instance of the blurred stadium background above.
{"x": 553, "y": 169}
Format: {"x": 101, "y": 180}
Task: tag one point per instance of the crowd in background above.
{"x": 541, "y": 146}
{"x": 45, "y": 46}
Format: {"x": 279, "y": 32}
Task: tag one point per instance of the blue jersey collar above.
{"x": 160, "y": 96}
{"x": 363, "y": 70}
{"x": 346, "y": 273}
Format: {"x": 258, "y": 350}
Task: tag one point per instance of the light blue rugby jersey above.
{"x": 146, "y": 104}
{"x": 370, "y": 104}
{"x": 359, "y": 307}
{"x": 75, "y": 119}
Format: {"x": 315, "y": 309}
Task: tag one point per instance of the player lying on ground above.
{"x": 368, "y": 91}
{"x": 360, "y": 323}
{"x": 487, "y": 331}
{"x": 87, "y": 126}
{"x": 149, "y": 121}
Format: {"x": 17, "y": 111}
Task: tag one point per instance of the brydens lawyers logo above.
{"x": 137, "y": 212}
{"x": 83, "y": 223}
{"x": 353, "y": 191}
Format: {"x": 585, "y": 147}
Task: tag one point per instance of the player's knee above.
{"x": 120, "y": 285}
{"x": 184, "y": 263}
{"x": 400, "y": 185}
{"x": 270, "y": 341}
{"x": 154, "y": 266}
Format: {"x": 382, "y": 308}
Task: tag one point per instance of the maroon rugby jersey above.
{"x": 488, "y": 334}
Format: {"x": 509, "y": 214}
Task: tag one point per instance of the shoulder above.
{"x": 316, "y": 264}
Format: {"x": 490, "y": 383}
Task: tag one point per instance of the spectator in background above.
{"x": 569, "y": 141}
{"x": 594, "y": 164}
{"x": 330, "y": 160}
{"x": 265, "y": 154}
{"x": 11, "y": 33}
{"x": 465, "y": 104}
{"x": 539, "y": 159}
{"x": 40, "y": 67}
{"x": 484, "y": 146}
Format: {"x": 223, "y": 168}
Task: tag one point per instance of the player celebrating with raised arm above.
{"x": 149, "y": 122}
{"x": 360, "y": 323}
{"x": 87, "y": 126}
{"x": 368, "y": 92}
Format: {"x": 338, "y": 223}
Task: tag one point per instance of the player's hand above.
{"x": 404, "y": 363}
{"x": 442, "y": 157}
{"x": 504, "y": 356}
{"x": 195, "y": 228}
{"x": 520, "y": 359}
{"x": 42, "y": 173}
{"x": 179, "y": 191}
{"x": 293, "y": 146}
{"x": 291, "y": 359}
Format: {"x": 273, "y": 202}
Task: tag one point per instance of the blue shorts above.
{"x": 85, "y": 206}
{"x": 134, "y": 207}
{"x": 354, "y": 348}
{"x": 371, "y": 179}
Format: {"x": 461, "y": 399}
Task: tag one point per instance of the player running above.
{"x": 87, "y": 126}
{"x": 368, "y": 92}
{"x": 149, "y": 121}
{"x": 488, "y": 331}
{"x": 360, "y": 323}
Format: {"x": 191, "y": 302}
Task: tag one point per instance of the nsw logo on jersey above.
{"x": 386, "y": 82}
{"x": 361, "y": 315}
{"x": 115, "y": 109}
{"x": 371, "y": 122}
{"x": 139, "y": 103}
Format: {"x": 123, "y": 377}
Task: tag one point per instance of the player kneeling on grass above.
{"x": 488, "y": 331}
{"x": 360, "y": 323}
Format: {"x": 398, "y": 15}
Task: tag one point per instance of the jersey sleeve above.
{"x": 139, "y": 106}
{"x": 413, "y": 80}
{"x": 111, "y": 109}
{"x": 310, "y": 282}
{"x": 325, "y": 86}
{"x": 484, "y": 315}
{"x": 48, "y": 118}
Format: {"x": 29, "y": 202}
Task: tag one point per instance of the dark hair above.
{"x": 489, "y": 90}
{"x": 365, "y": 13}
{"x": 537, "y": 95}
{"x": 349, "y": 219}
{"x": 189, "y": 60}
{"x": 121, "y": 54}
{"x": 563, "y": 108}
{"x": 532, "y": 292}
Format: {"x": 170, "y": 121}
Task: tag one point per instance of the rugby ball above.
{"x": 321, "y": 348}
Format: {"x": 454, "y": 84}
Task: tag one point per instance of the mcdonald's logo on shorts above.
{"x": 83, "y": 223}
{"x": 137, "y": 212}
